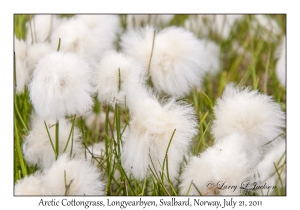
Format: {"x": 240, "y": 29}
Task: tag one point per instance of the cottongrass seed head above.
{"x": 178, "y": 60}
{"x": 134, "y": 21}
{"x": 40, "y": 27}
{"x": 22, "y": 74}
{"x": 114, "y": 73}
{"x": 35, "y": 52}
{"x": 203, "y": 25}
{"x": 248, "y": 112}
{"x": 29, "y": 185}
{"x": 81, "y": 175}
{"x": 280, "y": 65}
{"x": 150, "y": 131}
{"x": 87, "y": 36}
{"x": 66, "y": 176}
{"x": 266, "y": 171}
{"x": 61, "y": 86}
{"x": 223, "y": 164}
{"x": 37, "y": 147}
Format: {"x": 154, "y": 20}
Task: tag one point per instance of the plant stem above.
{"x": 57, "y": 139}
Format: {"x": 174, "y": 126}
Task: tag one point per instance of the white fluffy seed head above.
{"x": 87, "y": 36}
{"x": 39, "y": 29}
{"x": 108, "y": 23}
{"x": 178, "y": 60}
{"x": 22, "y": 74}
{"x": 134, "y": 21}
{"x": 29, "y": 185}
{"x": 247, "y": 112}
{"x": 83, "y": 177}
{"x": 150, "y": 132}
{"x": 35, "y": 52}
{"x": 138, "y": 44}
{"x": 266, "y": 170}
{"x": 221, "y": 25}
{"x": 61, "y": 86}
{"x": 224, "y": 163}
{"x": 280, "y": 65}
{"x": 107, "y": 76}
{"x": 265, "y": 28}
{"x": 212, "y": 56}
{"x": 37, "y": 147}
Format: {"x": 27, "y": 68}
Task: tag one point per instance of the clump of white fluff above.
{"x": 266, "y": 171}
{"x": 265, "y": 28}
{"x": 107, "y": 76}
{"x": 106, "y": 23}
{"x": 81, "y": 177}
{"x": 22, "y": 74}
{"x": 212, "y": 56}
{"x": 224, "y": 164}
{"x": 150, "y": 130}
{"x": 37, "y": 147}
{"x": 178, "y": 60}
{"x": 280, "y": 65}
{"x": 35, "y": 52}
{"x": 40, "y": 27}
{"x": 61, "y": 86}
{"x": 248, "y": 112}
{"x": 202, "y": 25}
{"x": 138, "y": 43}
{"x": 87, "y": 36}
{"x": 134, "y": 21}
{"x": 29, "y": 185}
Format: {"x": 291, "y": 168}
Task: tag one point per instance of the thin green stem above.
{"x": 58, "y": 47}
{"x": 19, "y": 152}
{"x": 57, "y": 140}
{"x": 163, "y": 166}
{"x": 71, "y": 131}
{"x": 49, "y": 136}
{"x": 153, "y": 41}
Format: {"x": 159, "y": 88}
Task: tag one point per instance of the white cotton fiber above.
{"x": 37, "y": 147}
{"x": 248, "y": 112}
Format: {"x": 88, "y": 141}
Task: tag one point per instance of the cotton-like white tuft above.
{"x": 138, "y": 44}
{"x": 212, "y": 56}
{"x": 151, "y": 128}
{"x": 248, "y": 112}
{"x": 39, "y": 29}
{"x": 61, "y": 86}
{"x": 107, "y": 76}
{"x": 37, "y": 147}
{"x": 29, "y": 185}
{"x": 265, "y": 28}
{"x": 266, "y": 168}
{"x": 280, "y": 65}
{"x": 87, "y": 36}
{"x": 22, "y": 74}
{"x": 178, "y": 61}
{"x": 108, "y": 23}
{"x": 80, "y": 176}
{"x": 134, "y": 21}
{"x": 218, "y": 169}
{"x": 202, "y": 25}
{"x": 35, "y": 52}
{"x": 83, "y": 177}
